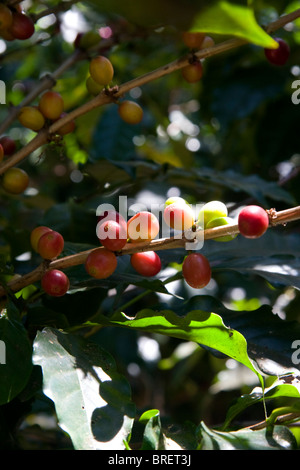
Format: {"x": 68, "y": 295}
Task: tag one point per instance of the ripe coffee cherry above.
{"x": 101, "y": 263}
{"x": 179, "y": 215}
{"x": 6, "y": 17}
{"x": 22, "y": 26}
{"x": 36, "y": 234}
{"x": 193, "y": 72}
{"x": 253, "y": 221}
{"x": 193, "y": 40}
{"x": 130, "y": 112}
{"x": 212, "y": 210}
{"x": 1, "y": 153}
{"x": 147, "y": 264}
{"x": 101, "y": 70}
{"x": 112, "y": 215}
{"x": 15, "y": 180}
{"x": 55, "y": 283}
{"x": 51, "y": 105}
{"x": 8, "y": 144}
{"x": 66, "y": 128}
{"x": 196, "y": 270}
{"x": 32, "y": 118}
{"x": 143, "y": 226}
{"x": 112, "y": 235}
{"x": 219, "y": 221}
{"x": 280, "y": 55}
{"x": 50, "y": 244}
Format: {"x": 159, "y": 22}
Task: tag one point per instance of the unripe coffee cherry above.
{"x": 93, "y": 87}
{"x": 15, "y": 180}
{"x": 55, "y": 283}
{"x": 6, "y": 17}
{"x": 32, "y": 118}
{"x": 130, "y": 112}
{"x": 22, "y": 26}
{"x": 146, "y": 263}
{"x": 192, "y": 73}
{"x": 101, "y": 263}
{"x": 218, "y": 222}
{"x": 196, "y": 270}
{"x": 211, "y": 210}
{"x": 50, "y": 245}
{"x": 253, "y": 221}
{"x": 101, "y": 70}
{"x": 51, "y": 105}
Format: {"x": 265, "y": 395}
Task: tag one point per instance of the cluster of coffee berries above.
{"x": 195, "y": 41}
{"x": 114, "y": 232}
{"x": 101, "y": 73}
{"x": 50, "y": 108}
{"x": 49, "y": 244}
{"x": 14, "y": 23}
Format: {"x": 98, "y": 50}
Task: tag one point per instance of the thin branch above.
{"x": 105, "y": 98}
{"x": 276, "y": 218}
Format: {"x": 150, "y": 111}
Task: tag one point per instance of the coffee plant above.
{"x": 149, "y": 225}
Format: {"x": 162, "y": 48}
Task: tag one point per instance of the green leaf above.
{"x": 15, "y": 355}
{"x": 275, "y": 391}
{"x": 91, "y": 398}
{"x": 228, "y": 19}
{"x": 201, "y": 327}
{"x": 245, "y": 439}
{"x": 153, "y": 438}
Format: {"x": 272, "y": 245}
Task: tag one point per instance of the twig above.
{"x": 104, "y": 98}
{"x": 276, "y": 218}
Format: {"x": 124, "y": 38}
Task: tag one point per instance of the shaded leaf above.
{"x": 279, "y": 438}
{"x": 91, "y": 398}
{"x": 15, "y": 355}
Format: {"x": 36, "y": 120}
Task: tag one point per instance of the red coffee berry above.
{"x": 36, "y": 234}
{"x": 8, "y": 144}
{"x": 112, "y": 235}
{"x": 22, "y": 26}
{"x": 280, "y": 55}
{"x": 147, "y": 264}
{"x": 55, "y": 283}
{"x": 50, "y": 245}
{"x": 101, "y": 263}
{"x": 253, "y": 221}
{"x": 196, "y": 270}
